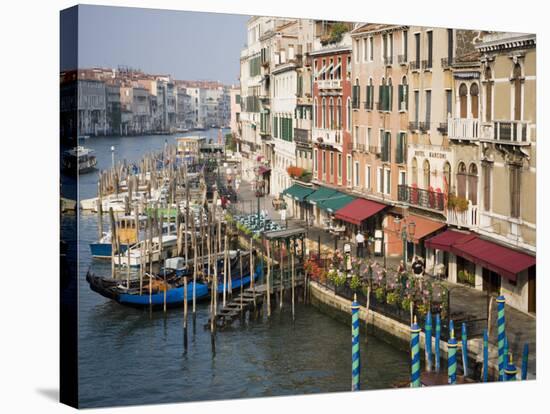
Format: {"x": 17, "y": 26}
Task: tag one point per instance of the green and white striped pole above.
{"x": 355, "y": 362}
{"x": 506, "y": 351}
{"x": 437, "y": 341}
{"x": 464, "y": 340}
{"x": 428, "y": 337}
{"x": 524, "y": 361}
{"x": 510, "y": 371}
{"x": 451, "y": 360}
{"x": 415, "y": 354}
{"x": 501, "y": 336}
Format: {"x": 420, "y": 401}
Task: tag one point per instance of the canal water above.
{"x": 129, "y": 356}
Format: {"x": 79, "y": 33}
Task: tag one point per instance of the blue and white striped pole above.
{"x": 464, "y": 340}
{"x": 428, "y": 339}
{"x": 415, "y": 354}
{"x": 451, "y": 361}
{"x": 355, "y": 362}
{"x": 524, "y": 361}
{"x": 510, "y": 371}
{"x": 437, "y": 341}
{"x": 485, "y": 355}
{"x": 506, "y": 351}
{"x": 451, "y": 327}
{"x": 501, "y": 335}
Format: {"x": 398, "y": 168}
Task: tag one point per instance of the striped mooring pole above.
{"x": 510, "y": 371}
{"x": 355, "y": 363}
{"x": 501, "y": 336}
{"x": 428, "y": 340}
{"x": 451, "y": 327}
{"x": 524, "y": 362}
{"x": 415, "y": 354}
{"x": 451, "y": 360}
{"x": 464, "y": 340}
{"x": 437, "y": 341}
{"x": 506, "y": 351}
{"x": 485, "y": 355}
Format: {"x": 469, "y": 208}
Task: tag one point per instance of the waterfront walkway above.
{"x": 520, "y": 327}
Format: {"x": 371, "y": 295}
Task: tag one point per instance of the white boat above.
{"x": 79, "y": 158}
{"x": 134, "y": 258}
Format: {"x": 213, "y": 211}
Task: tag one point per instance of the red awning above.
{"x": 358, "y": 210}
{"x": 446, "y": 240}
{"x": 502, "y": 260}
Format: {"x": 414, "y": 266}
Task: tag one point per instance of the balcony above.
{"x": 358, "y": 147}
{"x": 446, "y": 63}
{"x": 414, "y": 196}
{"x": 303, "y": 124}
{"x": 427, "y": 65}
{"x": 388, "y": 60}
{"x": 330, "y": 84}
{"x": 424, "y": 127}
{"x": 467, "y": 218}
{"x": 327, "y": 137}
{"x": 414, "y": 65}
{"x": 402, "y": 60}
{"x": 443, "y": 128}
{"x": 507, "y": 132}
{"x": 413, "y": 126}
{"x": 302, "y": 136}
{"x": 463, "y": 129}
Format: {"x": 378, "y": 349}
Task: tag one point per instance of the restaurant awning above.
{"x": 423, "y": 226}
{"x": 336, "y": 201}
{"x": 359, "y": 210}
{"x": 502, "y": 260}
{"x": 321, "y": 194}
{"x": 298, "y": 192}
{"x": 445, "y": 241}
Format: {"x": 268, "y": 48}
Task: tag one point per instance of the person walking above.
{"x": 360, "y": 240}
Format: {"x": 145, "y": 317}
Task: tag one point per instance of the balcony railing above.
{"x": 388, "y": 60}
{"x": 414, "y": 65}
{"x": 463, "y": 129}
{"x": 443, "y": 128}
{"x": 327, "y": 137}
{"x": 402, "y": 60}
{"x": 374, "y": 149}
{"x": 413, "y": 126}
{"x": 424, "y": 126}
{"x": 355, "y": 146}
{"x": 302, "y": 136}
{"x": 508, "y": 132}
{"x": 426, "y": 64}
{"x": 467, "y": 218}
{"x": 330, "y": 84}
{"x": 414, "y": 196}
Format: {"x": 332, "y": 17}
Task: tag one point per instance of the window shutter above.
{"x": 380, "y": 96}
{"x": 400, "y": 96}
{"x": 406, "y": 96}
{"x": 390, "y": 97}
{"x": 367, "y": 97}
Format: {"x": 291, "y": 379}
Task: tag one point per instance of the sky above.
{"x": 186, "y": 45}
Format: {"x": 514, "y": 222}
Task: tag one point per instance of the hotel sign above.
{"x": 431, "y": 154}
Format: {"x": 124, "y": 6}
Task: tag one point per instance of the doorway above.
{"x": 532, "y": 299}
{"x": 491, "y": 282}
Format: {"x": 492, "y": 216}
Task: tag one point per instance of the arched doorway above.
{"x": 463, "y": 95}
{"x": 474, "y": 97}
{"x": 472, "y": 184}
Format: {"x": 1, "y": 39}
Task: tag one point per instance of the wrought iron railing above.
{"x": 414, "y": 196}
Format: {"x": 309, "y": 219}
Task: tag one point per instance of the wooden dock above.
{"x": 250, "y": 300}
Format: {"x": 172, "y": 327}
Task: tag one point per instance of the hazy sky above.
{"x": 187, "y": 45}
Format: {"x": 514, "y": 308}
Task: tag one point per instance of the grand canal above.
{"x": 129, "y": 356}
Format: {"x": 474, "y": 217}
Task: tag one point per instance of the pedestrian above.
{"x": 360, "y": 240}
{"x": 401, "y": 267}
{"x": 417, "y": 266}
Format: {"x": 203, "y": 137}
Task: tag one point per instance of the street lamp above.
{"x": 113, "y": 156}
{"x": 407, "y": 230}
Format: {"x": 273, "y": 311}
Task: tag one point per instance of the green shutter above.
{"x": 399, "y": 96}
{"x": 380, "y": 97}
{"x": 368, "y": 97}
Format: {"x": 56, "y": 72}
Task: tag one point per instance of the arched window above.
{"x": 315, "y": 113}
{"x": 324, "y": 113}
{"x": 463, "y": 95}
{"x": 446, "y": 177}
{"x": 474, "y": 96}
{"x": 426, "y": 168}
{"x": 488, "y": 95}
{"x": 348, "y": 115}
{"x": 331, "y": 113}
{"x": 472, "y": 184}
{"x": 518, "y": 85}
{"x": 414, "y": 173}
{"x": 461, "y": 176}
{"x": 339, "y": 114}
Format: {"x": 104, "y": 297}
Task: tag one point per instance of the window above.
{"x": 348, "y": 169}
{"x": 380, "y": 180}
{"x": 371, "y": 48}
{"x": 463, "y": 97}
{"x": 356, "y": 174}
{"x": 339, "y": 167}
{"x": 324, "y": 114}
{"x": 384, "y": 48}
{"x": 348, "y": 115}
{"x": 355, "y": 135}
{"x": 518, "y": 86}
{"x": 474, "y": 96}
{"x": 515, "y": 187}
{"x": 390, "y": 95}
{"x": 365, "y": 50}
{"x": 417, "y": 47}
{"x": 367, "y": 178}
{"x": 386, "y": 147}
{"x": 387, "y": 181}
{"x": 370, "y": 95}
{"x": 316, "y": 113}
{"x": 369, "y": 137}
{"x": 356, "y": 94}
{"x": 487, "y": 171}
{"x": 450, "y": 46}
{"x": 414, "y": 173}
{"x": 428, "y": 108}
{"x": 430, "y": 48}
{"x": 472, "y": 184}
{"x": 402, "y": 177}
{"x": 403, "y": 95}
{"x": 426, "y": 168}
{"x": 416, "y": 106}
{"x": 449, "y": 100}
{"x": 339, "y": 114}
{"x": 331, "y": 113}
{"x": 405, "y": 45}
{"x": 488, "y": 95}
{"x": 324, "y": 164}
{"x": 331, "y": 165}
{"x": 446, "y": 178}
{"x": 461, "y": 180}
{"x": 357, "y": 51}
{"x": 391, "y": 46}
{"x": 400, "y": 150}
